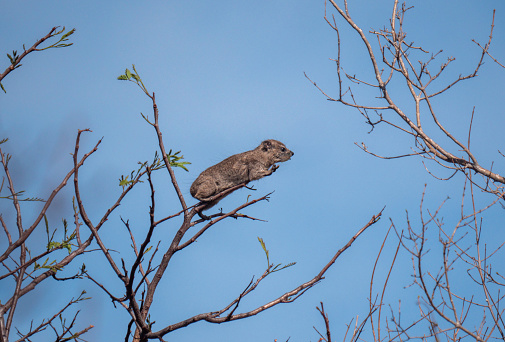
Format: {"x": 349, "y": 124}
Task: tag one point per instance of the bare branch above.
{"x": 213, "y": 317}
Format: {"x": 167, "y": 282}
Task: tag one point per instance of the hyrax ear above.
{"x": 266, "y": 145}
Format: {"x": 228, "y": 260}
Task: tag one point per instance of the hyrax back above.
{"x": 240, "y": 168}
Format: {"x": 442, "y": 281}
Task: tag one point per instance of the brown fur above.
{"x": 240, "y": 168}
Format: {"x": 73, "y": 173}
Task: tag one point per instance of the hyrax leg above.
{"x": 262, "y": 172}
{"x": 204, "y": 189}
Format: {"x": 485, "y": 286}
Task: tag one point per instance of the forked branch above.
{"x": 399, "y": 61}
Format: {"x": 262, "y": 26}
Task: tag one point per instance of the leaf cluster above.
{"x": 52, "y": 245}
{"x": 175, "y": 160}
{"x": 20, "y": 193}
{"x": 61, "y": 42}
{"x": 133, "y": 77}
{"x": 67, "y": 239}
{"x": 15, "y": 59}
{"x": 270, "y": 267}
{"x": 156, "y": 164}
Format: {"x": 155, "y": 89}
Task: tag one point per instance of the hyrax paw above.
{"x": 274, "y": 167}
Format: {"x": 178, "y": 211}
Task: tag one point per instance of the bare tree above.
{"x": 26, "y": 270}
{"x": 397, "y": 59}
{"x": 449, "y": 308}
{"x": 459, "y": 279}
{"x": 140, "y": 287}
{"x": 137, "y": 283}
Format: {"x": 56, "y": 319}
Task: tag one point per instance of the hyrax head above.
{"x": 277, "y": 151}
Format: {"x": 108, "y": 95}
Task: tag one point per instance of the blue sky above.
{"x": 228, "y": 75}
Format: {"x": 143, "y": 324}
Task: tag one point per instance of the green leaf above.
{"x": 124, "y": 181}
{"x": 265, "y": 249}
{"x": 181, "y": 165}
{"x": 14, "y": 57}
{"x": 1, "y": 85}
{"x": 174, "y": 160}
{"x": 63, "y": 38}
{"x": 69, "y": 33}
{"x": 52, "y": 245}
{"x": 262, "y": 244}
{"x": 68, "y": 247}
{"x": 134, "y": 77}
{"x": 272, "y": 268}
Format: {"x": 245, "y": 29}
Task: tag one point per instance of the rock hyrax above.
{"x": 240, "y": 168}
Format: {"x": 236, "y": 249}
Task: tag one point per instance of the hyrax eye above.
{"x": 283, "y": 149}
